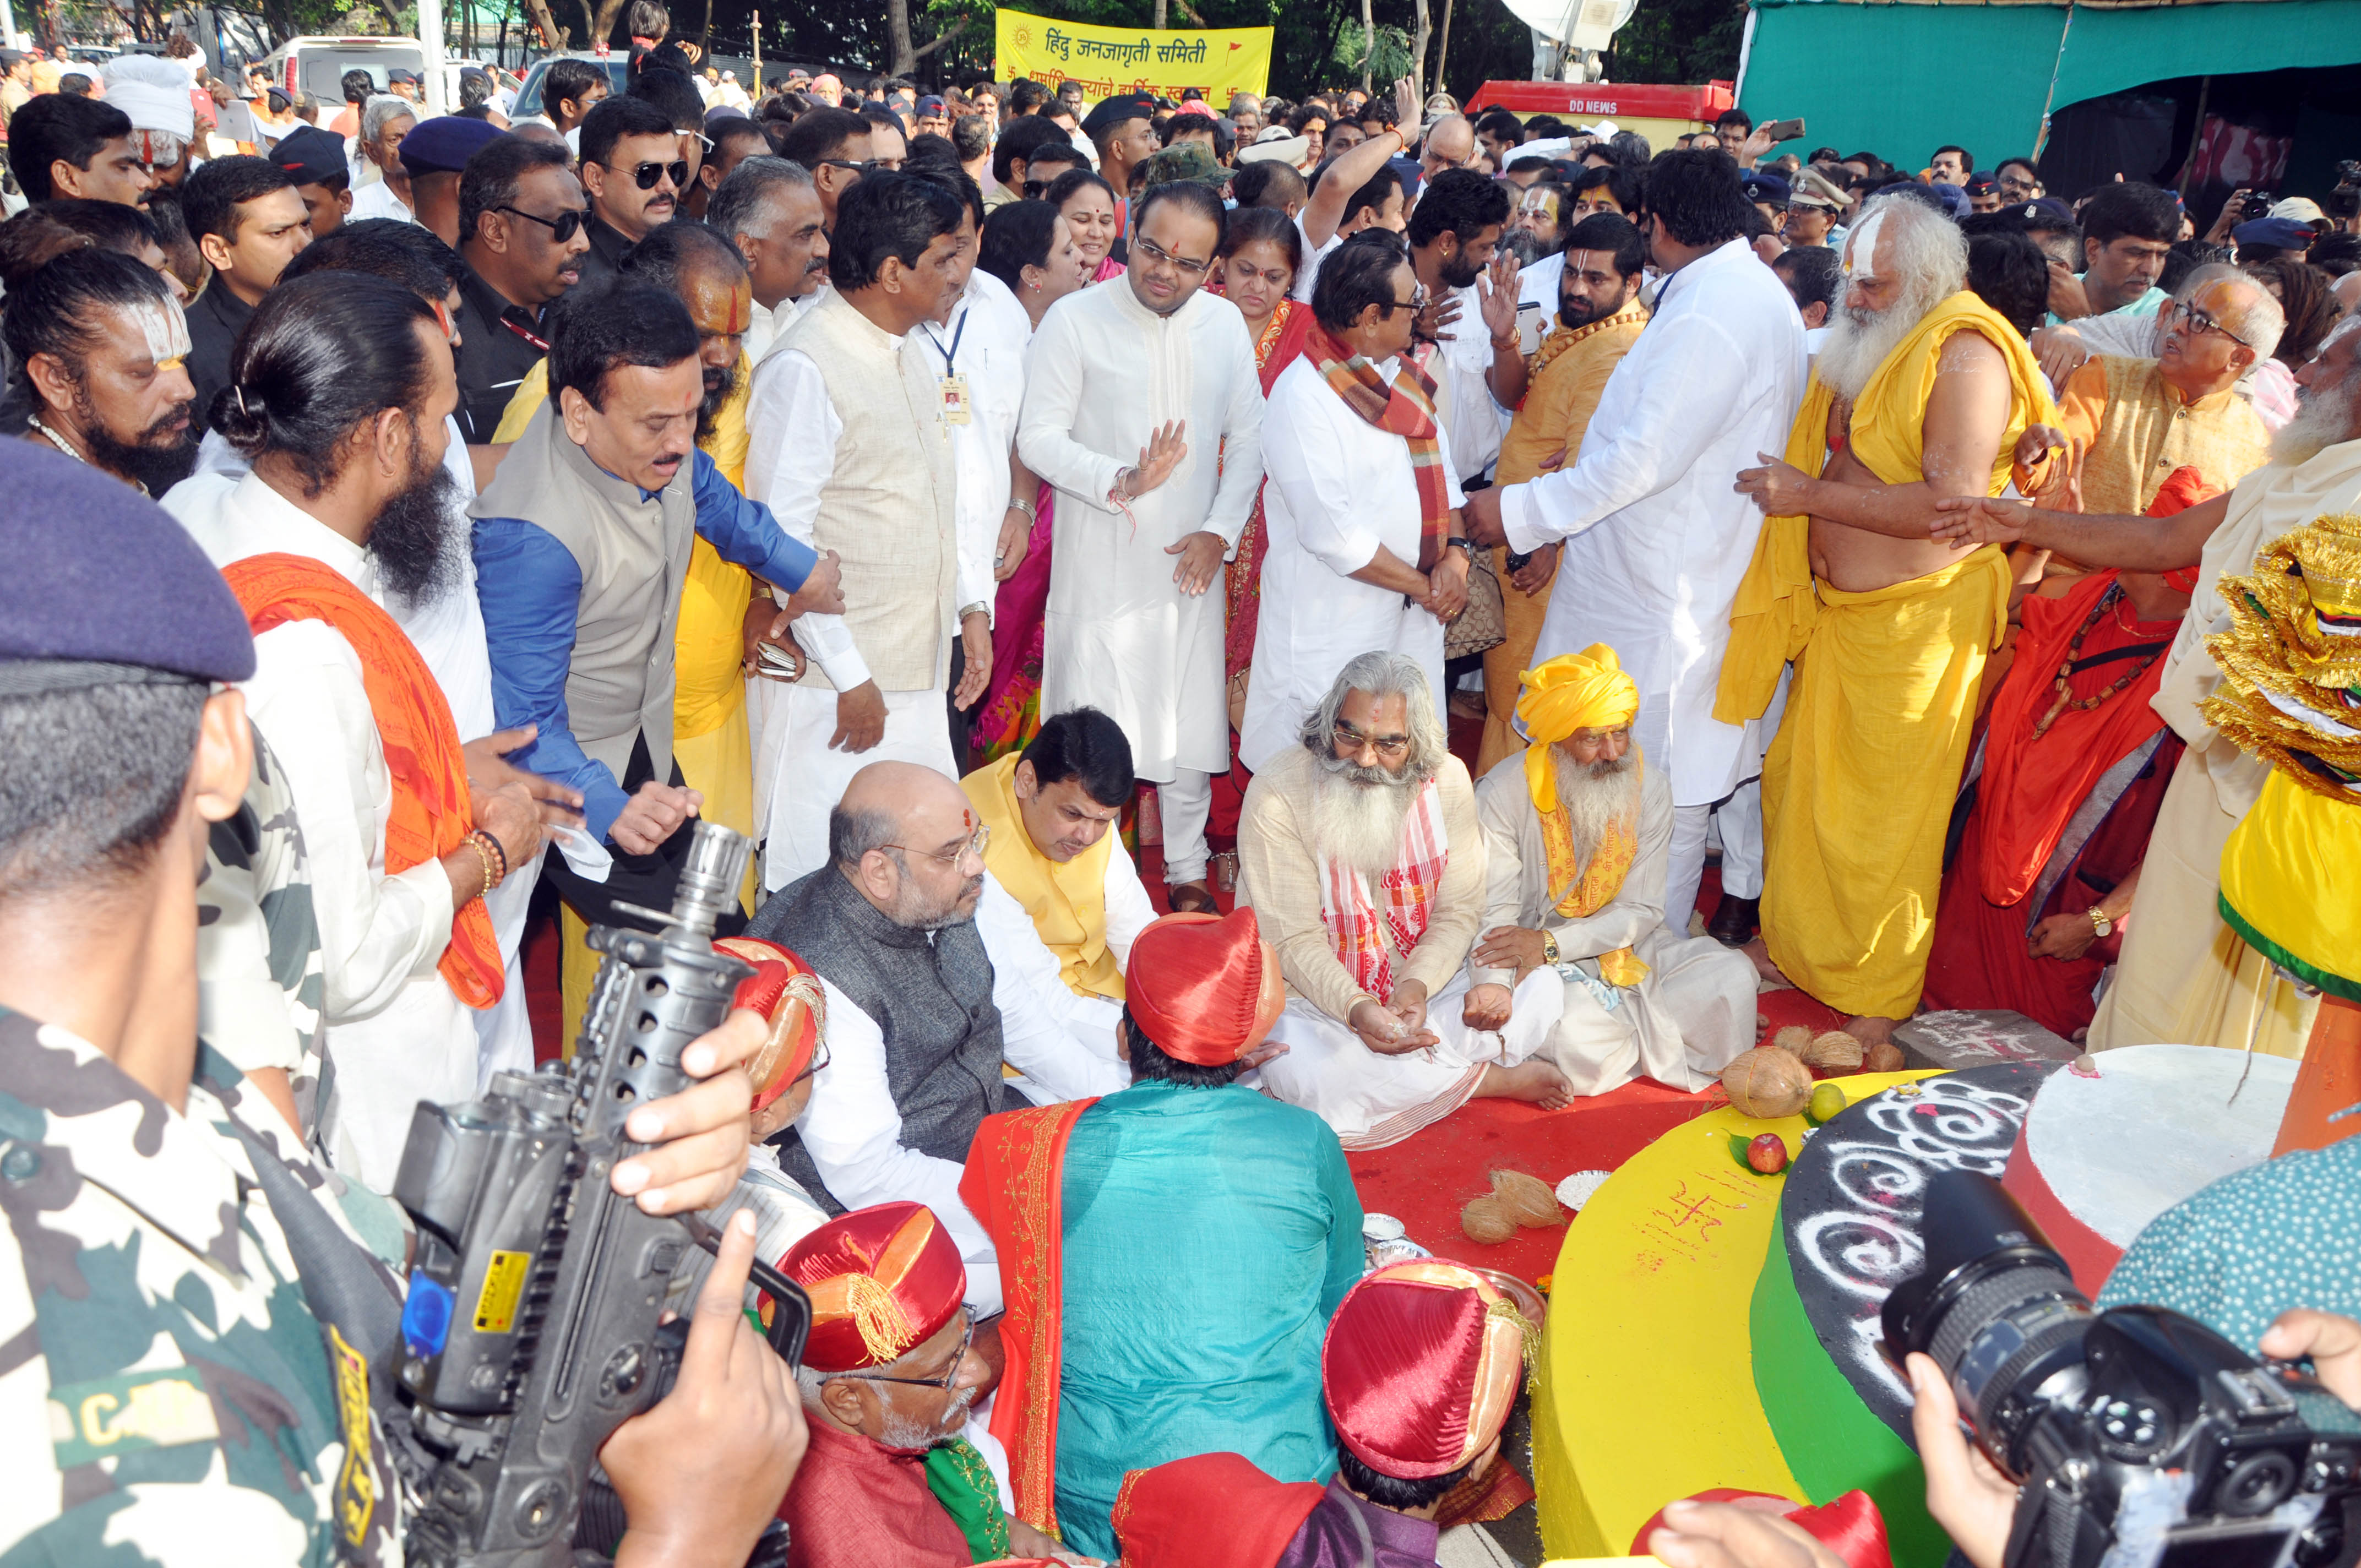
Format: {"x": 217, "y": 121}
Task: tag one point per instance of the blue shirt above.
{"x": 531, "y": 588}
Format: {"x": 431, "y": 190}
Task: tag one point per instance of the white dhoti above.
{"x": 1372, "y": 1099}
{"x": 1681, "y": 1026}
{"x": 807, "y": 778}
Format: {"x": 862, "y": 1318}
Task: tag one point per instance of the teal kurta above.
{"x": 1208, "y": 1233}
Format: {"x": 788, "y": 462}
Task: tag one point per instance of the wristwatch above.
{"x": 1549, "y": 949}
{"x": 2099, "y": 922}
{"x": 1457, "y": 542}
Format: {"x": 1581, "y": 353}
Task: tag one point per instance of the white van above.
{"x": 317, "y": 65}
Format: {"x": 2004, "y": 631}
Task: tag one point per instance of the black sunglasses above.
{"x": 562, "y": 227}
{"x": 645, "y": 175}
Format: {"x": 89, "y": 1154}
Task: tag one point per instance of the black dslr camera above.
{"x": 2142, "y": 1438}
{"x": 532, "y": 1328}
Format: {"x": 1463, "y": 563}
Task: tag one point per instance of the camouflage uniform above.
{"x": 260, "y": 980}
{"x": 165, "y": 1394}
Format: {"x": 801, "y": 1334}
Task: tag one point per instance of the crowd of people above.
{"x": 980, "y": 500}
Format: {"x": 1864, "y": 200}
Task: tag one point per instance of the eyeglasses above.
{"x": 1156, "y": 252}
{"x": 562, "y": 227}
{"x": 849, "y": 166}
{"x": 645, "y": 175}
{"x": 975, "y": 841}
{"x": 949, "y": 1379}
{"x": 1417, "y": 302}
{"x": 1351, "y": 740}
{"x": 2201, "y": 322}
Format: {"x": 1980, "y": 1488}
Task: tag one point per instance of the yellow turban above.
{"x": 1574, "y": 691}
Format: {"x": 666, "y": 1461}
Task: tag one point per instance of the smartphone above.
{"x": 1784, "y": 130}
{"x": 778, "y": 659}
{"x": 1532, "y": 324}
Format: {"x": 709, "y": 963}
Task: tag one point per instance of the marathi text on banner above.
{"x": 1107, "y": 61}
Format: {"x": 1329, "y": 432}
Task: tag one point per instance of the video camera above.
{"x": 531, "y": 1329}
{"x": 2142, "y": 1438}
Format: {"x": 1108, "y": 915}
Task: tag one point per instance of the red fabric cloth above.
{"x": 431, "y": 812}
{"x": 1418, "y": 1369}
{"x": 857, "y": 1504}
{"x": 1014, "y": 1186}
{"x": 1980, "y": 956}
{"x": 1162, "y": 1516}
{"x": 2032, "y": 786}
{"x": 1206, "y": 988}
{"x": 1849, "y": 1525}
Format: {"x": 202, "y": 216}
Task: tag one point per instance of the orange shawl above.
{"x": 1015, "y": 1173}
{"x": 431, "y": 813}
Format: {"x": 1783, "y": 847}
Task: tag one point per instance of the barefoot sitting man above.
{"x": 1920, "y": 392}
{"x": 1360, "y": 852}
{"x": 1576, "y": 827}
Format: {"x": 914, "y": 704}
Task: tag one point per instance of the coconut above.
{"x": 1795, "y": 1039}
{"x": 1882, "y": 1057}
{"x": 1765, "y": 1083}
{"x": 1528, "y": 1199}
{"x": 1833, "y": 1051}
{"x": 1488, "y": 1220}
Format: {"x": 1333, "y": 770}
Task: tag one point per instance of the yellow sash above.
{"x": 1068, "y": 902}
{"x": 1772, "y": 619}
{"x": 1597, "y": 884}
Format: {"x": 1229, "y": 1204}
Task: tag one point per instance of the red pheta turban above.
{"x": 786, "y": 993}
{"x": 882, "y": 1281}
{"x": 1206, "y": 988}
{"x": 1421, "y": 1367}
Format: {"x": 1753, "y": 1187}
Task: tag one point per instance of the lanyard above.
{"x": 951, "y": 352}
{"x": 529, "y": 336}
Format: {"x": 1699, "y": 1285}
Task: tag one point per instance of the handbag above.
{"x": 1483, "y": 625}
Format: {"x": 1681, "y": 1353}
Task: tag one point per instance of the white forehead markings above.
{"x": 164, "y": 327}
{"x": 1862, "y": 247}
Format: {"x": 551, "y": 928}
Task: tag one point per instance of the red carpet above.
{"x": 1423, "y": 1181}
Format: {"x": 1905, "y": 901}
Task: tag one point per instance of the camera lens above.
{"x": 2256, "y": 1485}
{"x": 1995, "y": 1307}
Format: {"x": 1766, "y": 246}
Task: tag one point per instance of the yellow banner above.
{"x": 1107, "y": 60}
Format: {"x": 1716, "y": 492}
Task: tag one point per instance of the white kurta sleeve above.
{"x": 1241, "y": 442}
{"x": 852, "y": 1131}
{"x": 1128, "y": 911}
{"x": 1308, "y": 463}
{"x": 1500, "y": 799}
{"x": 378, "y": 931}
{"x": 1693, "y": 363}
{"x": 1055, "y": 374}
{"x": 792, "y": 431}
{"x": 1047, "y": 1032}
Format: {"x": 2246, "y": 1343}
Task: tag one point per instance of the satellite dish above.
{"x": 1574, "y": 24}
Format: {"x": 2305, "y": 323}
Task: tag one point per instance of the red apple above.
{"x": 1767, "y": 1154}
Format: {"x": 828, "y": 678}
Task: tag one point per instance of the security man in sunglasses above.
{"x": 521, "y": 233}
{"x": 634, "y": 173}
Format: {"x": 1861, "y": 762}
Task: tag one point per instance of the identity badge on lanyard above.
{"x": 957, "y": 407}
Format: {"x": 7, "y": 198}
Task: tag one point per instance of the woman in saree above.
{"x": 1087, "y": 204}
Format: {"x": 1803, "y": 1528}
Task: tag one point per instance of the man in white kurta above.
{"x": 1130, "y": 628}
{"x": 397, "y": 1034}
{"x": 1656, "y": 536}
{"x": 1359, "y": 853}
{"x": 1342, "y": 510}
{"x": 850, "y": 419}
{"x": 1573, "y": 895}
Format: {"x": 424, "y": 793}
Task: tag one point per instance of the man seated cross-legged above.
{"x": 1360, "y": 849}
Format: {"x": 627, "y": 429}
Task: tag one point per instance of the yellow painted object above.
{"x": 1647, "y": 1386}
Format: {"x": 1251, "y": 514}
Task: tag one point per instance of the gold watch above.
{"x": 1549, "y": 949}
{"x": 2099, "y": 921}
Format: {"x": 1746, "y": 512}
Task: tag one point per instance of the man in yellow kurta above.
{"x": 1920, "y": 392}
{"x": 2137, "y": 420}
{"x": 710, "y": 660}
{"x": 1061, "y": 897}
{"x": 1599, "y": 317}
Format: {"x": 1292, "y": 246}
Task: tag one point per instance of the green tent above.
{"x": 1904, "y": 79}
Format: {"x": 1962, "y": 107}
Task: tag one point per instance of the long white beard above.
{"x": 1859, "y": 341}
{"x": 1596, "y": 798}
{"x": 1359, "y": 822}
{"x": 2321, "y": 422}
